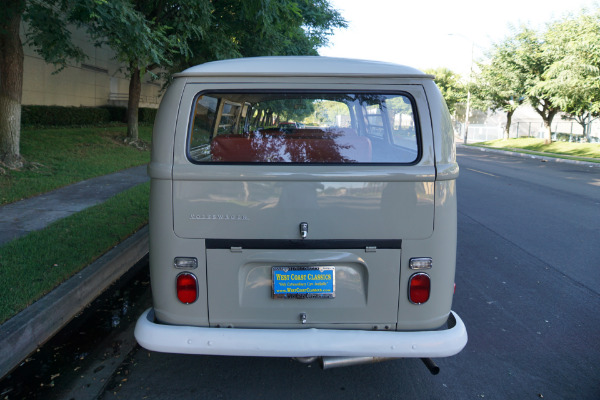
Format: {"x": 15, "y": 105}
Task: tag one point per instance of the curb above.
{"x": 25, "y": 332}
{"x": 534, "y": 156}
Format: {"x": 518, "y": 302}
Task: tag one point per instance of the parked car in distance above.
{"x": 289, "y": 126}
{"x": 333, "y": 237}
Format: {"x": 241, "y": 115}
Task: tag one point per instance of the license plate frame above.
{"x": 303, "y": 282}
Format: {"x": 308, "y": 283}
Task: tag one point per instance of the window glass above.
{"x": 205, "y": 111}
{"x": 260, "y": 127}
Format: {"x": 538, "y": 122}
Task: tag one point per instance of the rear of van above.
{"x": 303, "y": 207}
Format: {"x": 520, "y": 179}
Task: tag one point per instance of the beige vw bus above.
{"x": 303, "y": 207}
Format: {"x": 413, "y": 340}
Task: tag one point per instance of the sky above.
{"x": 437, "y": 33}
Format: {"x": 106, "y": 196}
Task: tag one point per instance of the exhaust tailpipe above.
{"x": 335, "y": 362}
{"x": 431, "y": 366}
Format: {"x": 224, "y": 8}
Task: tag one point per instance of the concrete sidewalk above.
{"x": 19, "y": 218}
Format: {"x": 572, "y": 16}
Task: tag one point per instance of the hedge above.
{"x": 147, "y": 115}
{"x": 77, "y": 116}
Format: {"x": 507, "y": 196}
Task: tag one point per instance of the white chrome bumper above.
{"x": 298, "y": 342}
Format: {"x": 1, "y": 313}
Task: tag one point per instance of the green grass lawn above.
{"x": 33, "y": 265}
{"x": 60, "y": 156}
{"x": 577, "y": 151}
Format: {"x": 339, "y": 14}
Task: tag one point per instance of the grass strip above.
{"x": 62, "y": 156}
{"x": 571, "y": 151}
{"x": 33, "y": 265}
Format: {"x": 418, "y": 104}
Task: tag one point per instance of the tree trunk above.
{"x": 509, "y": 115}
{"x": 548, "y": 132}
{"x": 256, "y": 122}
{"x": 548, "y": 127}
{"x": 133, "y": 105}
{"x": 547, "y": 113}
{"x": 11, "y": 87}
{"x": 587, "y": 129}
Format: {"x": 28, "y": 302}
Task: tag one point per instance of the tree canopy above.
{"x": 251, "y": 28}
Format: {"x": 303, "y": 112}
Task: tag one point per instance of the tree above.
{"x": 500, "y": 85}
{"x": 449, "y": 83}
{"x": 573, "y": 80}
{"x": 47, "y": 33}
{"x": 145, "y": 34}
{"x": 532, "y": 62}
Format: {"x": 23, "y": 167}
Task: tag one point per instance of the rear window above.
{"x": 317, "y": 128}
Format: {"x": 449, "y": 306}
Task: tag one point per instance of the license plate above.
{"x": 303, "y": 282}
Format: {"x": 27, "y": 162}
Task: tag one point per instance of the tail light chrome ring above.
{"x": 419, "y": 288}
{"x": 186, "y": 287}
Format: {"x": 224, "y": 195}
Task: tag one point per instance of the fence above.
{"x": 563, "y": 130}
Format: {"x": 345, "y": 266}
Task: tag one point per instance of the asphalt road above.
{"x": 528, "y": 275}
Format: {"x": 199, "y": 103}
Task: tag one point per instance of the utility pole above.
{"x": 469, "y": 92}
{"x": 469, "y": 80}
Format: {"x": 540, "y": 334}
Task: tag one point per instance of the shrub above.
{"x": 117, "y": 113}
{"x": 147, "y": 115}
{"x": 78, "y": 116}
{"x": 63, "y": 116}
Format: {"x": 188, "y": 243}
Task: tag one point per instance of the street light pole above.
{"x": 468, "y": 110}
{"x": 469, "y": 93}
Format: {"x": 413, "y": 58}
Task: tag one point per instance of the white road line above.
{"x": 481, "y": 172}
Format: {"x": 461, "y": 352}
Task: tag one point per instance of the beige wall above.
{"x": 99, "y": 80}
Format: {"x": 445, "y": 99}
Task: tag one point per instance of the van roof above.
{"x": 302, "y": 66}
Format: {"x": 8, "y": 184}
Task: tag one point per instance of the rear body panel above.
{"x": 267, "y": 209}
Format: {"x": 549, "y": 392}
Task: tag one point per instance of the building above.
{"x": 97, "y": 81}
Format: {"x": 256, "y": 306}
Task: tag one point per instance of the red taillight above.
{"x": 187, "y": 288}
{"x": 419, "y": 287}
